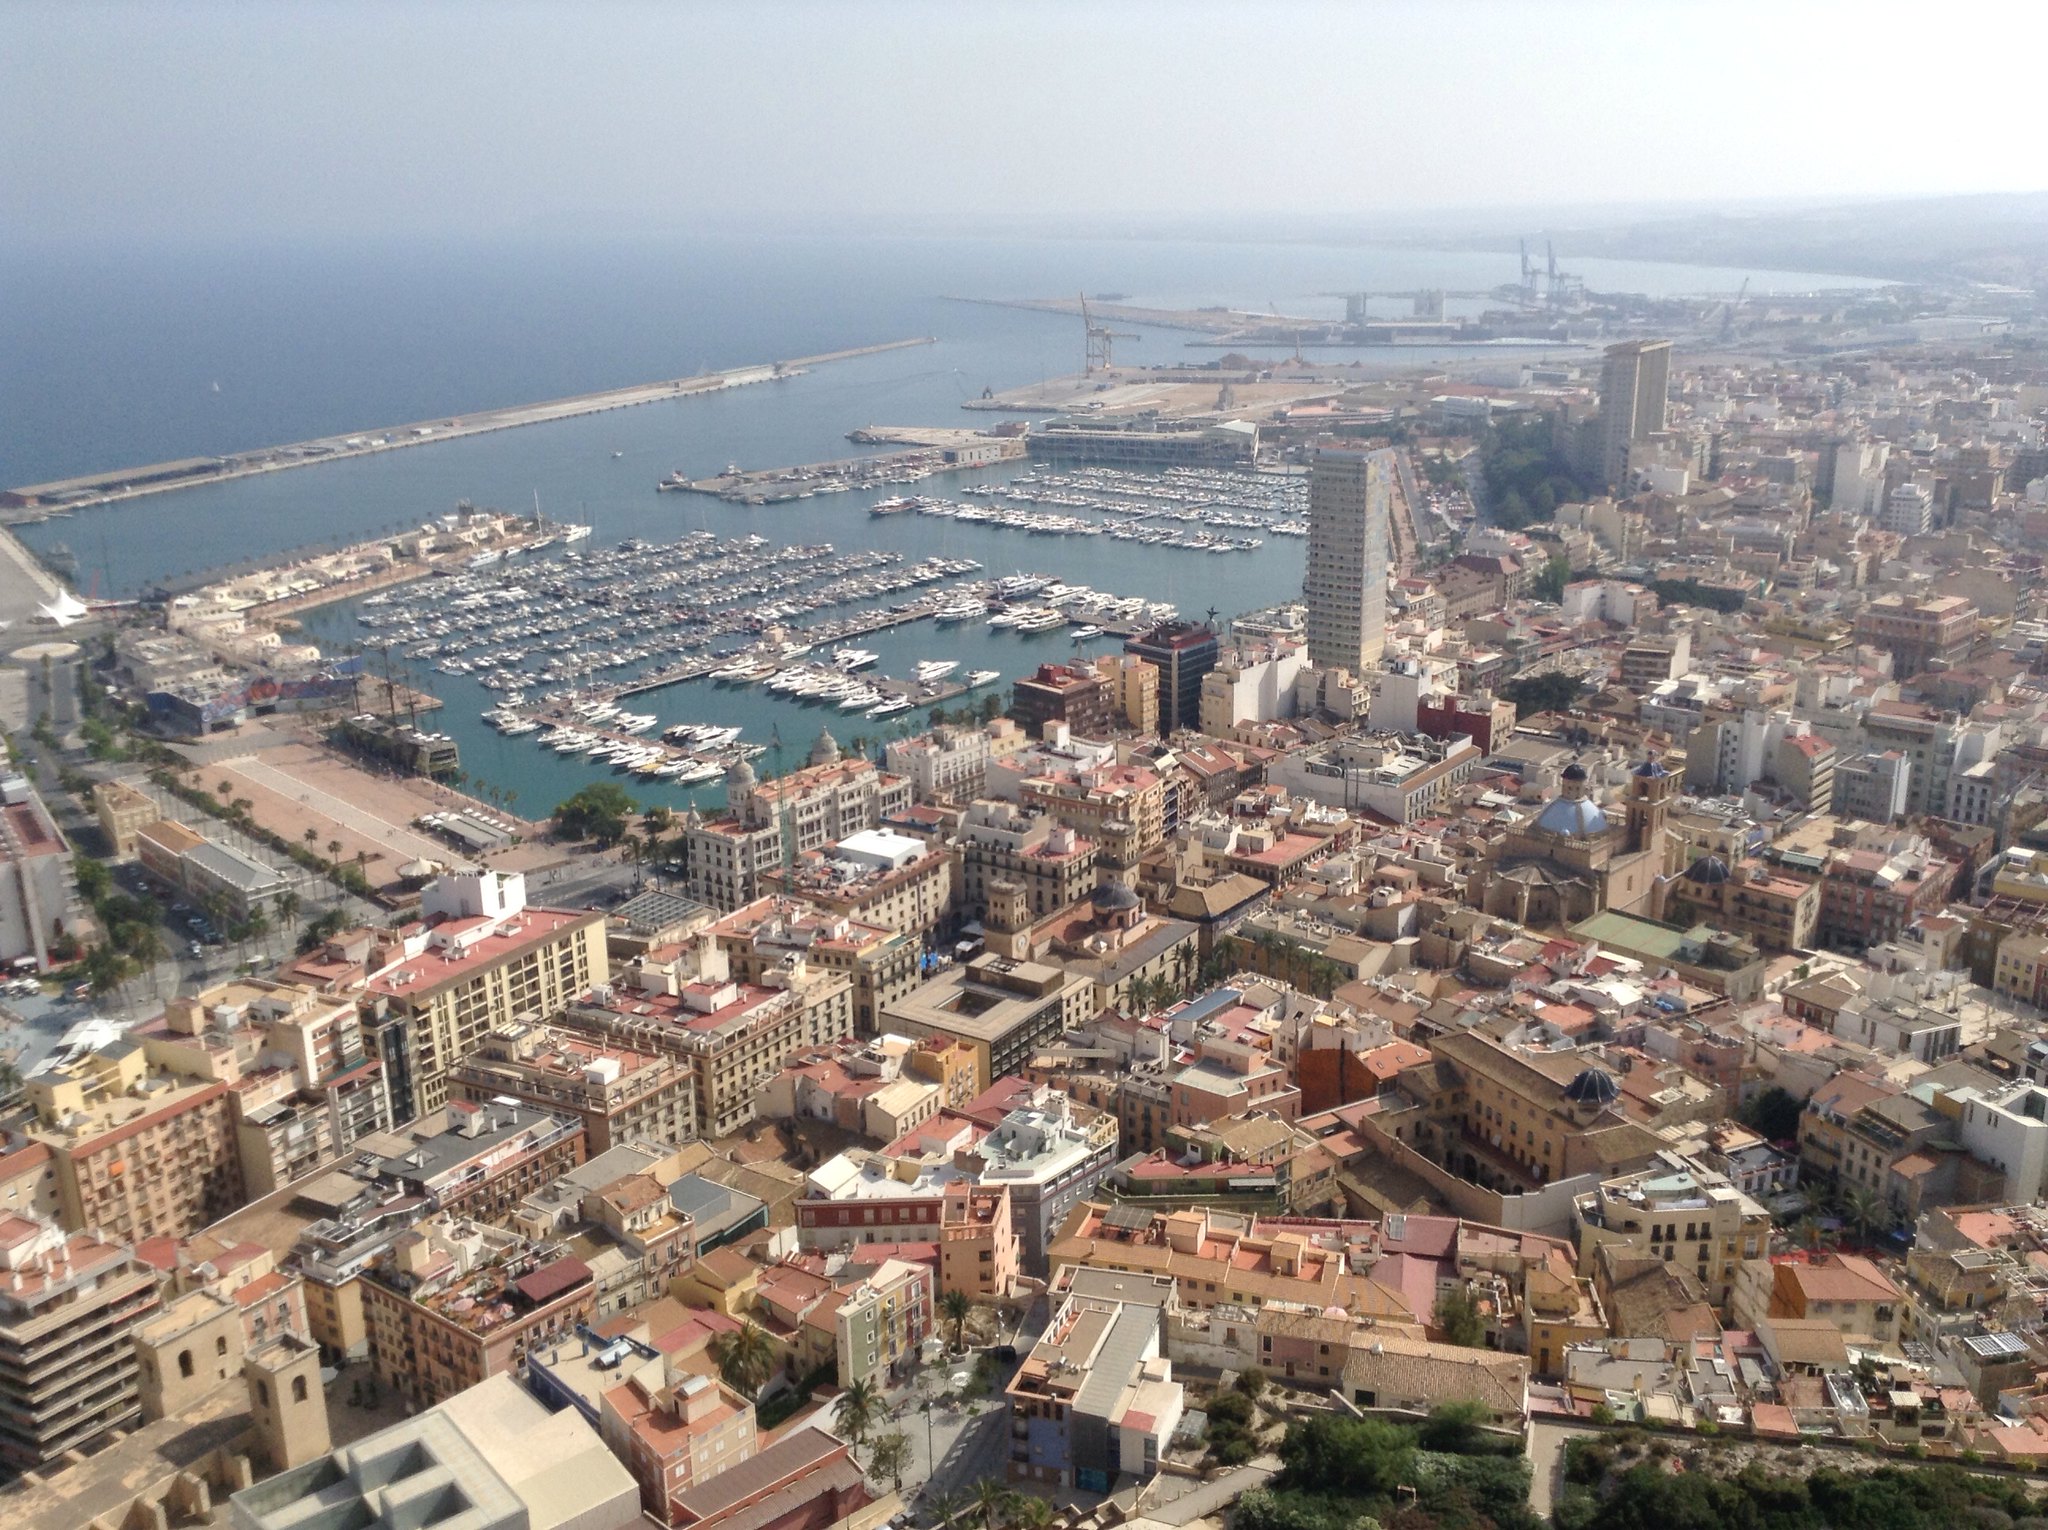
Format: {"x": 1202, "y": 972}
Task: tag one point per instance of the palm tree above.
{"x": 857, "y": 1409}
{"x": 942, "y": 1506}
{"x": 1028, "y": 1512}
{"x": 1866, "y": 1211}
{"x": 956, "y": 1306}
{"x": 890, "y": 1456}
{"x": 288, "y": 908}
{"x": 745, "y": 1358}
{"x": 333, "y": 848}
{"x": 992, "y": 1502}
{"x": 106, "y": 969}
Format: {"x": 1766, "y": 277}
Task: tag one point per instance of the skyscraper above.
{"x": 1634, "y": 382}
{"x": 1345, "y": 585}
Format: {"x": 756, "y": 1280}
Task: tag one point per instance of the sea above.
{"x": 121, "y": 357}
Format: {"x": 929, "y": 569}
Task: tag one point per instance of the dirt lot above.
{"x": 310, "y": 794}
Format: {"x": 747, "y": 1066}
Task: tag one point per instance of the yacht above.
{"x": 1082, "y": 634}
{"x": 575, "y": 533}
{"x": 890, "y": 708}
{"x": 936, "y": 669}
{"x": 980, "y": 677}
{"x": 850, "y": 659}
{"x": 1040, "y": 621}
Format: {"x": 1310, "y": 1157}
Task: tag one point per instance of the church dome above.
{"x": 1113, "y": 898}
{"x": 1573, "y": 772}
{"x": 1572, "y": 815}
{"x": 1595, "y": 1086}
{"x": 1651, "y": 770}
{"x": 741, "y": 775}
{"x": 1708, "y": 870}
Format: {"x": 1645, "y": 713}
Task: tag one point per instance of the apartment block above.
{"x": 491, "y": 1156}
{"x": 1681, "y": 1213}
{"x": 882, "y": 1322}
{"x": 807, "y": 809}
{"x": 69, "y": 1303}
{"x": 999, "y": 842}
{"x": 139, "y": 1151}
{"x": 482, "y": 960}
{"x": 456, "y": 1303}
{"x": 1350, "y": 506}
{"x": 619, "y": 1094}
{"x": 876, "y": 877}
{"x": 732, "y": 1034}
{"x": 769, "y": 934}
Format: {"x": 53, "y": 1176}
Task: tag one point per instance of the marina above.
{"x": 777, "y": 486}
{"x": 572, "y": 645}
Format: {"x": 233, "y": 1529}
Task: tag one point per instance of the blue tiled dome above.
{"x": 1567, "y": 815}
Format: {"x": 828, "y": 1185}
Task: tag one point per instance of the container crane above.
{"x": 1099, "y": 354}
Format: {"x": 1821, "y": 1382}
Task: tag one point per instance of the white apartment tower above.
{"x": 1345, "y": 585}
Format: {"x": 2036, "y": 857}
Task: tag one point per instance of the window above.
{"x": 298, "y": 1389}
{"x": 184, "y": 1362}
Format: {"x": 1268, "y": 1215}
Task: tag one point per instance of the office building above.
{"x": 1182, "y": 652}
{"x": 35, "y": 875}
{"x": 212, "y": 874}
{"x": 1350, "y": 502}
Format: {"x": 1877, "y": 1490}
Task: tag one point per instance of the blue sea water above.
{"x": 120, "y": 358}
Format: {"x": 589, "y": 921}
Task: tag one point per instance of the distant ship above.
{"x": 573, "y": 533}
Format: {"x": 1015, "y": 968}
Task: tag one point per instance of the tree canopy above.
{"x": 600, "y": 811}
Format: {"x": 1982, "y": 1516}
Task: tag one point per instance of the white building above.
{"x": 1908, "y": 510}
{"x": 949, "y": 763}
{"x": 35, "y": 874}
{"x": 1252, "y": 684}
{"x": 2008, "y": 1129}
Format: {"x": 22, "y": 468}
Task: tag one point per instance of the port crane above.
{"x": 1101, "y": 344}
{"x": 1728, "y": 313}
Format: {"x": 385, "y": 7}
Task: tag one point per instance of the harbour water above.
{"x": 114, "y": 361}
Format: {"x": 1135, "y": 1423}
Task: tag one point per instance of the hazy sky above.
{"x": 321, "y": 118}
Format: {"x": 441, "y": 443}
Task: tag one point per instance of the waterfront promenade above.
{"x": 37, "y": 501}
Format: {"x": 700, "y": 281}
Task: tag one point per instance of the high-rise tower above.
{"x": 1635, "y": 381}
{"x": 1350, "y": 493}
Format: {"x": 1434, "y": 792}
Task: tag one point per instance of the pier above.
{"x": 949, "y": 451}
{"x": 39, "y": 501}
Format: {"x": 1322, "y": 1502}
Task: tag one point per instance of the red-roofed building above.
{"x": 482, "y": 959}
{"x": 454, "y": 1303}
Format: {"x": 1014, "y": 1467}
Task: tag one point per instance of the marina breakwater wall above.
{"x": 39, "y": 501}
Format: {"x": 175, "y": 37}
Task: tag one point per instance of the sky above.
{"x": 307, "y": 119}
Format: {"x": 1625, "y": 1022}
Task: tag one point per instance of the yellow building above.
{"x": 484, "y": 960}
{"x": 140, "y": 1150}
{"x": 122, "y": 812}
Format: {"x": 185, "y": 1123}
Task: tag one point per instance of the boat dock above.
{"x": 774, "y": 486}
{"x": 823, "y": 636}
{"x": 40, "y": 501}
